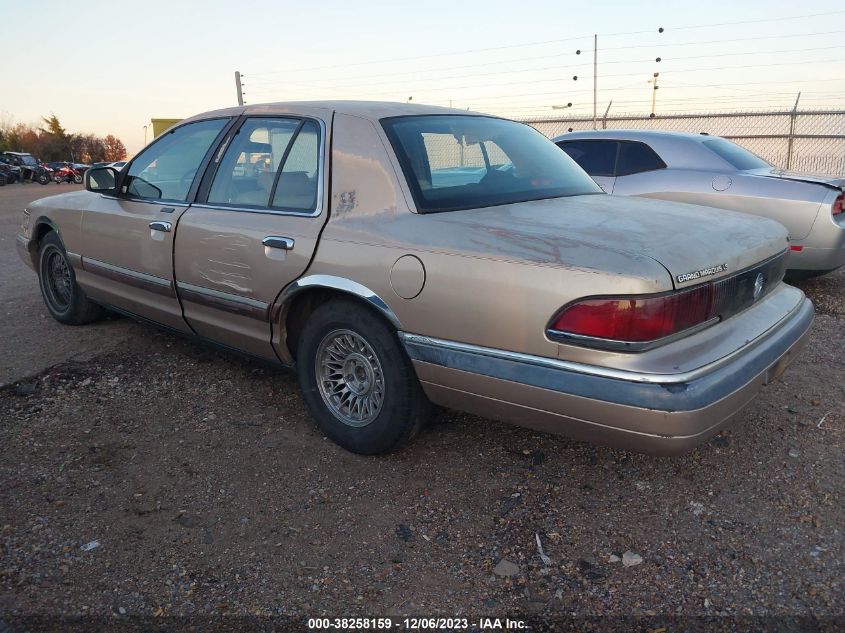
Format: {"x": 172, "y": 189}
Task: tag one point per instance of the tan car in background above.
{"x": 402, "y": 255}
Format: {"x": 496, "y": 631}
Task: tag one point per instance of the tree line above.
{"x": 53, "y": 143}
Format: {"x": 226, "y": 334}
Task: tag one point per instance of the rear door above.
{"x": 127, "y": 245}
{"x": 595, "y": 156}
{"x": 254, "y": 227}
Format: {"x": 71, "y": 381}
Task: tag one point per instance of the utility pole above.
{"x": 653, "y": 92}
{"x": 239, "y": 88}
{"x": 595, "y": 75}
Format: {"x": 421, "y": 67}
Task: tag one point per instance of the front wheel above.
{"x": 43, "y": 179}
{"x": 63, "y": 297}
{"x": 357, "y": 380}
{"x": 77, "y": 178}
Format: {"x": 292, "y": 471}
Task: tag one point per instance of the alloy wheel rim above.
{"x": 350, "y": 378}
{"x": 59, "y": 284}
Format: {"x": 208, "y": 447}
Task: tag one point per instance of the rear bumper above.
{"x": 812, "y": 258}
{"x": 662, "y": 414}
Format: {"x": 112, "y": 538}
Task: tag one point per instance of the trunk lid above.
{"x": 693, "y": 243}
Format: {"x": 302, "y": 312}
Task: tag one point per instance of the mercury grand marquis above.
{"x": 400, "y": 256}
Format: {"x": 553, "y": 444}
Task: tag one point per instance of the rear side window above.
{"x": 597, "y": 158}
{"x": 737, "y": 156}
{"x": 635, "y": 158}
{"x": 271, "y": 162}
{"x": 296, "y": 189}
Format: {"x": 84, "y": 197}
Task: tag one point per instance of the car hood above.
{"x": 822, "y": 179}
{"x": 692, "y": 243}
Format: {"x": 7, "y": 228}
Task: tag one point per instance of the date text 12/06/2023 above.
{"x": 416, "y": 624}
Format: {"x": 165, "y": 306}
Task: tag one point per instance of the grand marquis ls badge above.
{"x": 704, "y": 272}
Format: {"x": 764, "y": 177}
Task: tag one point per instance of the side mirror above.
{"x": 101, "y": 179}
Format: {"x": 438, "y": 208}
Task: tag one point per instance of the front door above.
{"x": 253, "y": 229}
{"x": 127, "y": 248}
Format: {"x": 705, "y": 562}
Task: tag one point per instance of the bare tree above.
{"x": 114, "y": 148}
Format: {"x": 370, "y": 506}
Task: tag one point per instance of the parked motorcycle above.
{"x": 67, "y": 174}
{"x": 42, "y": 174}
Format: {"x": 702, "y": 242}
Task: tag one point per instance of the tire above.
{"x": 63, "y": 297}
{"x": 77, "y": 178}
{"x": 43, "y": 179}
{"x": 390, "y": 408}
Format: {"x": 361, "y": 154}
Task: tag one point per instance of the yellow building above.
{"x": 160, "y": 125}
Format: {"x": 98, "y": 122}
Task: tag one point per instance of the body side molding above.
{"x": 130, "y": 277}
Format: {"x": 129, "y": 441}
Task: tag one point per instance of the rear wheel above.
{"x": 43, "y": 179}
{"x": 357, "y": 381}
{"x": 63, "y": 297}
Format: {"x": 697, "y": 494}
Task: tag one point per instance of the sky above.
{"x": 109, "y": 67}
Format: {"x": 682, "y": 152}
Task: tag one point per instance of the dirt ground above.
{"x": 145, "y": 478}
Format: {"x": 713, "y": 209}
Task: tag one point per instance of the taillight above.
{"x": 838, "y": 205}
{"x": 637, "y": 319}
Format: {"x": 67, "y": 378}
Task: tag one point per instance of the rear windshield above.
{"x": 454, "y": 162}
{"x": 737, "y": 156}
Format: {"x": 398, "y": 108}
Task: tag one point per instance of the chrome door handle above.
{"x": 161, "y": 226}
{"x": 274, "y": 241}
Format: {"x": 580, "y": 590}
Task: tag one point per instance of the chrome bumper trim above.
{"x": 802, "y": 312}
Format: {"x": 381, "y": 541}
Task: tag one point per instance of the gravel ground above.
{"x": 158, "y": 478}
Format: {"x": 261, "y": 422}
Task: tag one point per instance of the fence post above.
{"x": 604, "y": 118}
{"x": 792, "y": 118}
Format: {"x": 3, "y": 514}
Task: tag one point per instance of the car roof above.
{"x": 681, "y": 150}
{"x": 633, "y": 135}
{"x": 373, "y": 110}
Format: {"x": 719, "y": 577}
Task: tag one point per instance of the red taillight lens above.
{"x": 638, "y": 319}
{"x": 838, "y": 205}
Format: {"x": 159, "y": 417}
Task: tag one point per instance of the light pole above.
{"x": 145, "y": 136}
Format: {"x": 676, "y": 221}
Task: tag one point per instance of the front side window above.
{"x": 166, "y": 169}
{"x": 737, "y": 156}
{"x": 454, "y": 162}
{"x": 271, "y": 162}
{"x": 597, "y": 158}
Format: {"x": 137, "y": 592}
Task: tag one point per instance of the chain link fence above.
{"x": 804, "y": 140}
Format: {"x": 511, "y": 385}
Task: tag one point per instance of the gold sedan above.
{"x": 402, "y": 255}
